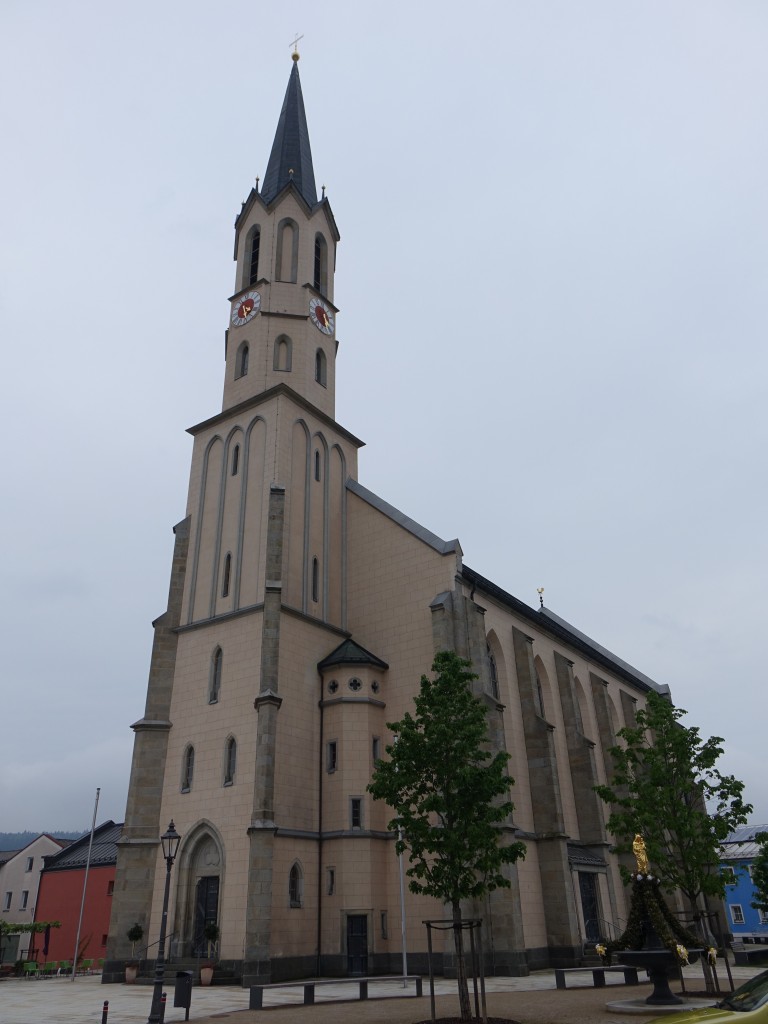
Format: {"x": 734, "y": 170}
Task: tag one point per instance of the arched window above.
{"x": 287, "y": 256}
{"x": 295, "y": 886}
{"x": 235, "y": 459}
{"x": 227, "y": 576}
{"x": 214, "y": 689}
{"x": 283, "y": 351}
{"x": 241, "y": 362}
{"x": 315, "y": 579}
{"x": 321, "y": 264}
{"x": 493, "y": 673}
{"x": 321, "y": 368}
{"x": 230, "y": 761}
{"x": 253, "y": 255}
{"x": 317, "y": 465}
{"x": 188, "y": 769}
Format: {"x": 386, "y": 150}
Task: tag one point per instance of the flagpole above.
{"x": 85, "y": 883}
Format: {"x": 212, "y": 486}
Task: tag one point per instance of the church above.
{"x": 302, "y": 611}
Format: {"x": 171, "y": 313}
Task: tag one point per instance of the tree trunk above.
{"x": 461, "y": 966}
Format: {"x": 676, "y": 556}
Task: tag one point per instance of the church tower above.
{"x": 258, "y": 596}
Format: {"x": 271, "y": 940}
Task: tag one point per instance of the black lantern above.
{"x": 170, "y": 841}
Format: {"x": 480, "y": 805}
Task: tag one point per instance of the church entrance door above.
{"x": 590, "y": 907}
{"x": 206, "y": 912}
{"x": 357, "y": 944}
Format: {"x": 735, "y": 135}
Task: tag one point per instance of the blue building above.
{"x": 738, "y": 854}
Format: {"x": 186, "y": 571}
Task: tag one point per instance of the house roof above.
{"x": 8, "y": 855}
{"x": 104, "y": 849}
{"x": 740, "y": 844}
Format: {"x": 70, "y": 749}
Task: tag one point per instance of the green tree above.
{"x": 450, "y": 796}
{"x": 760, "y": 874}
{"x": 666, "y": 787}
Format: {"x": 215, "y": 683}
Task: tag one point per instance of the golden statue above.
{"x": 638, "y": 848}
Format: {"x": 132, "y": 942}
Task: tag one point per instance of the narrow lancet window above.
{"x": 253, "y": 271}
{"x": 295, "y": 886}
{"x": 188, "y": 769}
{"x": 321, "y": 368}
{"x": 241, "y": 363}
{"x": 315, "y": 580}
{"x": 235, "y": 459}
{"x": 231, "y": 761}
{"x": 227, "y": 576}
{"x": 321, "y": 265}
{"x": 217, "y": 663}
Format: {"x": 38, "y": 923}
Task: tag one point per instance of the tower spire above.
{"x": 291, "y": 156}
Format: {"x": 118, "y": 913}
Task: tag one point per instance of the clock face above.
{"x": 245, "y": 308}
{"x": 321, "y": 315}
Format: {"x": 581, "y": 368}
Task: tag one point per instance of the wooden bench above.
{"x": 257, "y": 991}
{"x": 598, "y": 974}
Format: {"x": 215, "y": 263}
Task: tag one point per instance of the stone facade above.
{"x": 303, "y": 610}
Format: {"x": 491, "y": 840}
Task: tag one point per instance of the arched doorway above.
{"x": 201, "y": 872}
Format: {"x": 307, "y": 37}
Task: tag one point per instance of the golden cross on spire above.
{"x": 295, "y": 45}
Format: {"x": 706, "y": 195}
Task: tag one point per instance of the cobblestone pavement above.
{"x": 533, "y": 999}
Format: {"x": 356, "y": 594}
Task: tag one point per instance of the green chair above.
{"x": 65, "y": 966}
{"x": 31, "y": 970}
{"x": 49, "y": 968}
{"x": 86, "y": 966}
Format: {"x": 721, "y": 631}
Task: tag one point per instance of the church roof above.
{"x": 559, "y": 628}
{"x": 291, "y": 156}
{"x": 351, "y": 653}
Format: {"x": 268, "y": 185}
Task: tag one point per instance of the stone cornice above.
{"x": 278, "y": 391}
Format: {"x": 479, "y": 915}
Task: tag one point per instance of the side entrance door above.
{"x": 206, "y": 911}
{"x": 590, "y": 907}
{"x": 357, "y": 944}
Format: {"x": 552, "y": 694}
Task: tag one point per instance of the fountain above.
{"x": 654, "y": 939}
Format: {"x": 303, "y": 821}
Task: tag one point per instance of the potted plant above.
{"x": 134, "y": 934}
{"x": 211, "y": 936}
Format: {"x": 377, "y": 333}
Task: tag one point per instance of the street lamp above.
{"x": 170, "y": 843}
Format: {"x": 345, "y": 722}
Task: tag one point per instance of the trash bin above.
{"x": 182, "y": 993}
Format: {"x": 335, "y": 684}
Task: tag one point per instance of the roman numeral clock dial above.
{"x": 321, "y": 316}
{"x": 245, "y": 308}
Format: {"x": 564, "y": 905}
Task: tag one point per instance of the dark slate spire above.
{"x": 290, "y": 150}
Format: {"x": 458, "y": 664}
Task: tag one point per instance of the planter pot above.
{"x": 206, "y": 975}
{"x": 131, "y": 971}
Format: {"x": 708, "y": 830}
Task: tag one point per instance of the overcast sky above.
{"x": 552, "y": 283}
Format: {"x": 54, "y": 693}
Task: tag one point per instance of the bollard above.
{"x": 163, "y": 997}
{"x": 105, "y": 1012}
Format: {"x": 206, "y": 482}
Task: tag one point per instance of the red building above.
{"x": 61, "y": 892}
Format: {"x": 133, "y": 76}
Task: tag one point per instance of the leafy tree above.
{"x": 666, "y": 787}
{"x": 760, "y": 874}
{"x": 450, "y": 797}
{"x": 134, "y": 934}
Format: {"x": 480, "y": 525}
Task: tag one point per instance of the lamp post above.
{"x": 170, "y": 841}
